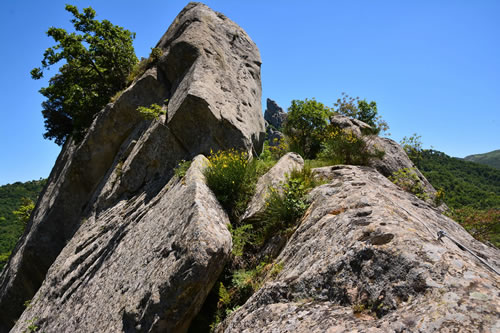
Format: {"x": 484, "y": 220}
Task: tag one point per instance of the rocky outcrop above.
{"x": 141, "y": 265}
{"x": 209, "y": 72}
{"x": 274, "y": 178}
{"x": 275, "y": 118}
{"x": 366, "y": 258}
{"x": 274, "y": 114}
{"x": 394, "y": 158}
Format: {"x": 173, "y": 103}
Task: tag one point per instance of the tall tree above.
{"x": 97, "y": 59}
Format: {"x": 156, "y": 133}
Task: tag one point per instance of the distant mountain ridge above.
{"x": 492, "y": 158}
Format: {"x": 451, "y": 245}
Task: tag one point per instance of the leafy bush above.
{"x": 361, "y": 110}
{"x": 343, "y": 147}
{"x": 278, "y": 148}
{"x": 305, "y": 126}
{"x": 285, "y": 206}
{"x": 229, "y": 176}
{"x": 233, "y": 177}
{"x": 241, "y": 235}
{"x": 408, "y": 180}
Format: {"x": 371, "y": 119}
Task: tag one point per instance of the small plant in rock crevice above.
{"x": 182, "y": 168}
{"x": 285, "y": 205}
{"x": 154, "y": 111}
{"x": 407, "y": 179}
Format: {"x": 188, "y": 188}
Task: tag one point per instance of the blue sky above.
{"x": 432, "y": 66}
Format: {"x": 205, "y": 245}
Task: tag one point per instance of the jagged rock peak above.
{"x": 128, "y": 246}
{"x": 274, "y": 114}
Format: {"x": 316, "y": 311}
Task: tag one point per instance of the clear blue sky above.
{"x": 433, "y": 67}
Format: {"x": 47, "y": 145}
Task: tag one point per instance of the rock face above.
{"x": 275, "y": 118}
{"x": 273, "y": 178}
{"x": 274, "y": 114}
{"x": 141, "y": 265}
{"x": 210, "y": 73}
{"x": 366, "y": 258}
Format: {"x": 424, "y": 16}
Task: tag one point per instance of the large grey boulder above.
{"x": 214, "y": 67}
{"x": 209, "y": 72}
{"x": 141, "y": 265}
{"x": 366, "y": 258}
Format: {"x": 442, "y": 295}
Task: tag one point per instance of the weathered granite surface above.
{"x": 142, "y": 265}
{"x": 366, "y": 258}
{"x": 209, "y": 72}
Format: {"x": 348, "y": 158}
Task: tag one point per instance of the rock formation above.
{"x": 274, "y": 114}
{"x": 366, "y": 258}
{"x": 394, "y": 157}
{"x": 275, "y": 118}
{"x": 119, "y": 243}
{"x": 104, "y": 213}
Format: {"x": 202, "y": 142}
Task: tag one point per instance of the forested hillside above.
{"x": 472, "y": 191}
{"x": 492, "y": 158}
{"x": 10, "y": 200}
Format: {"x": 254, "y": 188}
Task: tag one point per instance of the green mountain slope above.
{"x": 472, "y": 191}
{"x": 492, "y": 158}
{"x": 10, "y": 199}
{"x": 465, "y": 183}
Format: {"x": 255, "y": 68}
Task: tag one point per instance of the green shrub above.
{"x": 343, "y": 147}
{"x": 242, "y": 235}
{"x": 279, "y": 148}
{"x": 232, "y": 178}
{"x": 226, "y": 175}
{"x": 361, "y": 110}
{"x": 305, "y": 126}
{"x": 284, "y": 207}
{"x": 408, "y": 180}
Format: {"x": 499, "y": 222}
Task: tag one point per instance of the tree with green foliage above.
{"x": 97, "y": 60}
{"x": 361, "y": 110}
{"x": 306, "y": 126}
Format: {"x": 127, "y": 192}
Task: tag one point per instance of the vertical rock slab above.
{"x": 366, "y": 258}
{"x": 214, "y": 67}
{"x": 209, "y": 78}
{"x": 138, "y": 266}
